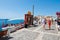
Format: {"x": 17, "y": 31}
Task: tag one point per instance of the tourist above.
{"x": 49, "y": 23}
{"x": 44, "y": 22}
{"x": 58, "y": 23}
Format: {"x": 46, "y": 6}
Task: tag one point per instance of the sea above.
{"x": 6, "y": 21}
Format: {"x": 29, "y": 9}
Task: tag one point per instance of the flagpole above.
{"x": 33, "y": 10}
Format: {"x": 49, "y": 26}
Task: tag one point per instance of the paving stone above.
{"x": 59, "y": 37}
{"x": 50, "y": 37}
{"x": 52, "y": 30}
{"x": 25, "y": 35}
{"x": 33, "y": 28}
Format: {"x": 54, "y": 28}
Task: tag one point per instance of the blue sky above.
{"x": 15, "y": 9}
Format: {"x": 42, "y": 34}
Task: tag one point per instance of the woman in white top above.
{"x": 44, "y": 22}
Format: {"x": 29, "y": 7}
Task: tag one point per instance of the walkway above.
{"x": 36, "y": 33}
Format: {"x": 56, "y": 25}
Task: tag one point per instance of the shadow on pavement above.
{"x": 49, "y": 29}
{"x": 5, "y": 38}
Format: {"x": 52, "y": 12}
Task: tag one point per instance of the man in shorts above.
{"x": 58, "y": 23}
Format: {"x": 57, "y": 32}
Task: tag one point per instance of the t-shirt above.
{"x": 58, "y": 21}
{"x": 43, "y": 20}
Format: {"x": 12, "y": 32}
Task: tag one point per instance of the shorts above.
{"x": 58, "y": 23}
{"x": 45, "y": 22}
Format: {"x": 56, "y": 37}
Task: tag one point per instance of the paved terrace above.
{"x": 36, "y": 33}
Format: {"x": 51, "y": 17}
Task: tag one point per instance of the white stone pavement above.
{"x": 36, "y": 33}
